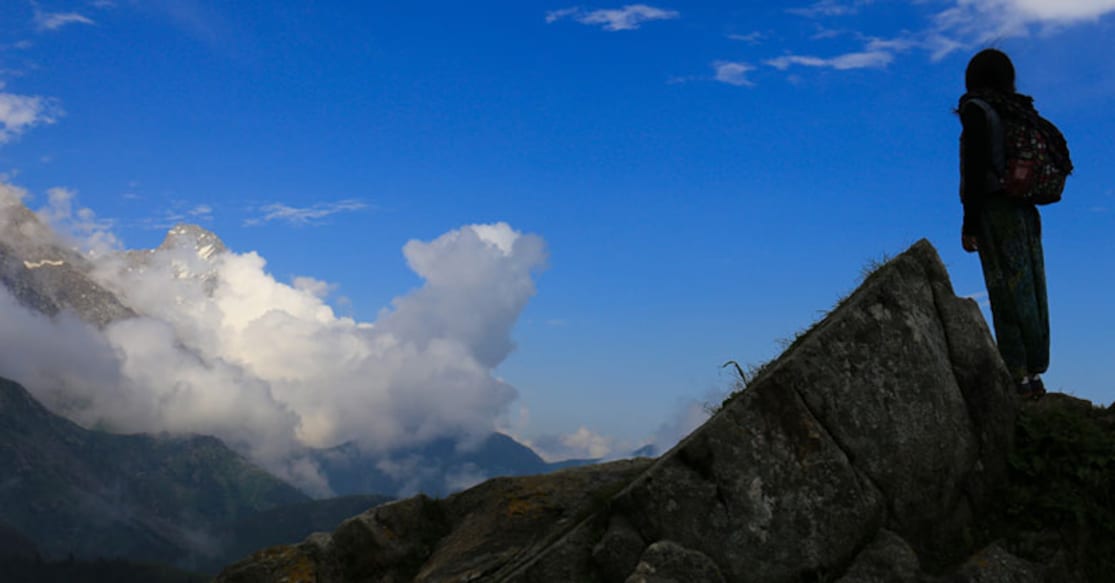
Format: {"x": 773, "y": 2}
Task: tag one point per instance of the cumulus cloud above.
{"x": 224, "y": 348}
{"x": 630, "y": 17}
{"x": 302, "y": 216}
{"x": 315, "y": 287}
{"x": 733, "y": 73}
{"x": 860, "y": 60}
{"x": 19, "y": 113}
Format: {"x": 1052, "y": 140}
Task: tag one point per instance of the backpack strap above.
{"x": 995, "y": 128}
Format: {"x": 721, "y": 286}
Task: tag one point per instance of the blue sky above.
{"x": 707, "y": 177}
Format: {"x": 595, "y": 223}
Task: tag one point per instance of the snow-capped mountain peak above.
{"x": 205, "y": 242}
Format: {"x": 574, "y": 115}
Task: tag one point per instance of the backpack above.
{"x": 1030, "y": 155}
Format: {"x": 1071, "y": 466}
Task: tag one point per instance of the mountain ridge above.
{"x": 91, "y": 494}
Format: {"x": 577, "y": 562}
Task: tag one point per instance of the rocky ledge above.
{"x": 866, "y": 453}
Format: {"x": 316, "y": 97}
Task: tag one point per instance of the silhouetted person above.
{"x": 1005, "y": 230}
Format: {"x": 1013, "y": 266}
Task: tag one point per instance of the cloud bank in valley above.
{"x": 224, "y": 348}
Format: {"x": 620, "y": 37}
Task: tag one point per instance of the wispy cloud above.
{"x": 18, "y": 113}
{"x": 752, "y": 38}
{"x": 968, "y": 23}
{"x": 733, "y": 73}
{"x": 303, "y": 216}
{"x": 629, "y": 17}
{"x": 830, "y": 8}
{"x": 860, "y": 60}
{"x": 958, "y": 25}
{"x": 17, "y": 46}
{"x": 179, "y": 212}
{"x": 56, "y": 20}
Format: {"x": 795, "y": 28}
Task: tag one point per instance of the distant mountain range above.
{"x": 186, "y": 500}
{"x": 91, "y": 494}
{"x": 438, "y": 468}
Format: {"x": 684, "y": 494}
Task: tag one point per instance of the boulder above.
{"x": 668, "y": 562}
{"x": 868, "y": 446}
{"x": 995, "y": 565}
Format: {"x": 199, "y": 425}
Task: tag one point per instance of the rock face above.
{"x": 467, "y": 537}
{"x": 862, "y": 454}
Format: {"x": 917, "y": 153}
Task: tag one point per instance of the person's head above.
{"x": 990, "y": 70}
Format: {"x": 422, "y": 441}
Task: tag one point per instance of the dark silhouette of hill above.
{"x": 92, "y": 571}
{"x": 287, "y": 524}
{"x": 72, "y": 491}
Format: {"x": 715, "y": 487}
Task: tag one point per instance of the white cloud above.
{"x": 19, "y": 113}
{"x": 1066, "y": 11}
{"x": 556, "y": 15}
{"x": 303, "y": 216}
{"x": 629, "y": 17}
{"x": 689, "y": 415}
{"x": 733, "y": 73}
{"x": 960, "y": 25}
{"x": 970, "y": 23}
{"x": 56, "y": 20}
{"x": 177, "y": 213}
{"x": 11, "y": 195}
{"x": 588, "y": 444}
{"x": 269, "y": 367}
{"x": 92, "y": 234}
{"x": 753, "y": 38}
{"x": 581, "y": 444}
{"x": 830, "y": 8}
{"x": 315, "y": 287}
{"x": 860, "y": 60}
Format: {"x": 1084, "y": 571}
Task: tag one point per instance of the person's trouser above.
{"x": 1014, "y": 269}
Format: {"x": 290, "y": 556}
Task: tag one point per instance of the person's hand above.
{"x": 970, "y": 243}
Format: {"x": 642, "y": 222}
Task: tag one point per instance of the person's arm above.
{"x": 976, "y": 164}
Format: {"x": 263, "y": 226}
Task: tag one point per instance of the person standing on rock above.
{"x": 1004, "y": 229}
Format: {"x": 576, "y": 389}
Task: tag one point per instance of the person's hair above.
{"x": 990, "y": 70}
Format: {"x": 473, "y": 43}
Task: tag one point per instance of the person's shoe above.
{"x": 1030, "y": 388}
{"x": 1037, "y": 388}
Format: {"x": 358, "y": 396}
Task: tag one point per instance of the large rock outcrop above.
{"x": 861, "y": 454}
